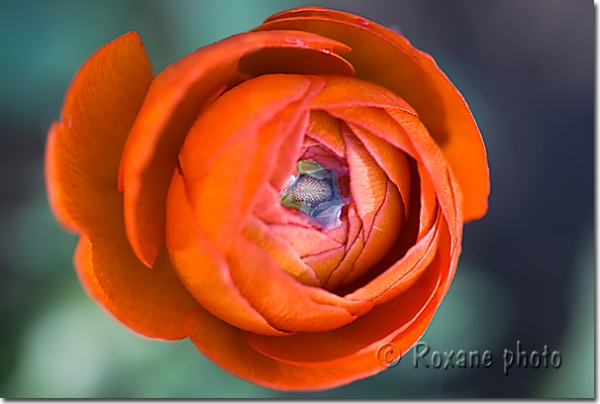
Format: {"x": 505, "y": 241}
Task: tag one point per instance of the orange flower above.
{"x": 291, "y": 198}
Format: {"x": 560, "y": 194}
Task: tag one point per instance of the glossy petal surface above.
{"x": 416, "y": 78}
{"x": 82, "y": 160}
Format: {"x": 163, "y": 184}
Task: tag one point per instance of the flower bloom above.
{"x": 291, "y": 198}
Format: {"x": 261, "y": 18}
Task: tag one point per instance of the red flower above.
{"x": 291, "y": 198}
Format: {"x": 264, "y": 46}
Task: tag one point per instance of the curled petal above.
{"x": 84, "y": 149}
{"x": 416, "y": 78}
{"x": 82, "y": 166}
{"x": 285, "y": 303}
{"x": 384, "y": 233}
{"x": 289, "y": 153}
{"x": 175, "y": 99}
{"x": 392, "y": 160}
{"x": 151, "y": 302}
{"x": 326, "y": 130}
{"x": 404, "y": 131}
{"x": 227, "y": 346}
{"x": 202, "y": 268}
{"x": 361, "y": 338}
{"x": 368, "y": 182}
{"x": 401, "y": 275}
{"x": 220, "y": 179}
{"x": 283, "y": 253}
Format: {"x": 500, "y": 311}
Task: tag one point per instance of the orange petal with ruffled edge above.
{"x": 326, "y": 130}
{"x": 227, "y": 346}
{"x": 174, "y": 101}
{"x": 285, "y": 303}
{"x": 335, "y": 347}
{"x": 203, "y": 269}
{"x": 282, "y": 252}
{"x": 378, "y": 205}
{"x": 152, "y": 302}
{"x": 415, "y": 77}
{"x": 84, "y": 149}
{"x": 336, "y": 357}
{"x": 82, "y": 164}
{"x": 404, "y": 131}
{"x": 230, "y": 152}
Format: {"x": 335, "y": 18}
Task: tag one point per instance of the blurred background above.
{"x": 526, "y": 274}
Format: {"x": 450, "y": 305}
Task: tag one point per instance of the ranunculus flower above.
{"x": 290, "y": 198}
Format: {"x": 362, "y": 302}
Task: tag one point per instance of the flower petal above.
{"x": 404, "y": 131}
{"x": 289, "y": 153}
{"x": 230, "y": 153}
{"x": 284, "y": 254}
{"x": 305, "y": 240}
{"x": 227, "y": 346}
{"x": 402, "y": 274}
{"x": 346, "y": 92}
{"x": 383, "y": 235}
{"x": 361, "y": 338}
{"x": 284, "y": 302}
{"x": 169, "y": 110}
{"x": 392, "y": 160}
{"x": 82, "y": 164}
{"x": 326, "y": 130}
{"x": 202, "y": 268}
{"x": 368, "y": 182}
{"x": 416, "y": 78}
{"x": 152, "y": 302}
{"x": 84, "y": 149}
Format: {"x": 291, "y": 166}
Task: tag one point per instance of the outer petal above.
{"x": 414, "y": 76}
{"x": 227, "y": 346}
{"x": 348, "y": 343}
{"x": 172, "y": 105}
{"x": 336, "y": 357}
{"x": 152, "y": 302}
{"x": 84, "y": 149}
{"x": 81, "y": 166}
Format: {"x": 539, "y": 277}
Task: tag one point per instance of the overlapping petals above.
{"x": 402, "y": 188}
{"x": 173, "y": 184}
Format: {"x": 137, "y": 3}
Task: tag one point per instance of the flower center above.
{"x": 311, "y": 191}
{"x": 315, "y": 191}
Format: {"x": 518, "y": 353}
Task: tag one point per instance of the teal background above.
{"x": 527, "y": 270}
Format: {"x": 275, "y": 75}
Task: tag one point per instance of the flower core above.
{"x": 315, "y": 191}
